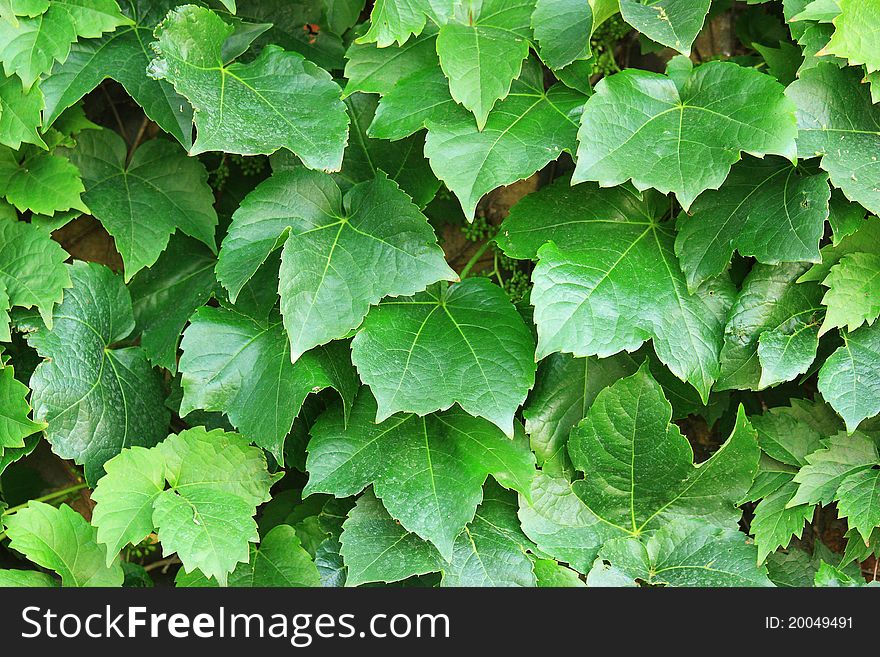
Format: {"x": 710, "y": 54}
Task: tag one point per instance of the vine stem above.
{"x": 64, "y": 492}
{"x": 474, "y": 258}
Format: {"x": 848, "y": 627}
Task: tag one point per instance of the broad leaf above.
{"x": 777, "y": 520}
{"x": 15, "y": 425}
{"x": 19, "y": 114}
{"x": 143, "y": 199}
{"x": 858, "y": 500}
{"x": 396, "y": 20}
{"x": 341, "y": 254}
{"x": 41, "y": 182}
{"x": 856, "y": 37}
{"x": 848, "y": 379}
{"x": 97, "y": 398}
{"x": 279, "y": 100}
{"x": 853, "y": 295}
{"x": 673, "y": 23}
{"x": 428, "y": 471}
{"x": 61, "y": 540}
{"x": 681, "y": 135}
{"x": 840, "y": 456}
{"x": 464, "y": 344}
{"x": 562, "y": 30}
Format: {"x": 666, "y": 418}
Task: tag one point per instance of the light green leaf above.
{"x": 42, "y": 183}
{"x": 340, "y": 255}
{"x": 562, "y": 30}
{"x": 464, "y": 344}
{"x": 638, "y": 467}
{"x": 143, "y": 199}
{"x": 840, "y": 456}
{"x": 238, "y": 363}
{"x": 279, "y": 100}
{"x": 848, "y": 380}
{"x": 19, "y": 114}
{"x": 26, "y": 579}
{"x": 853, "y": 295}
{"x": 777, "y": 520}
{"x": 15, "y": 425}
{"x": 681, "y": 136}
{"x": 790, "y": 433}
{"x": 396, "y": 20}
{"x": 858, "y": 500}
{"x": 688, "y": 553}
{"x": 673, "y": 23}
{"x": 61, "y": 540}
{"x": 856, "y": 37}
{"x": 428, "y": 471}
{"x": 836, "y": 120}
{"x": 96, "y": 398}
{"x": 522, "y": 134}
{"x": 764, "y": 209}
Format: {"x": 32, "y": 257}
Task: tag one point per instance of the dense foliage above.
{"x": 527, "y": 292}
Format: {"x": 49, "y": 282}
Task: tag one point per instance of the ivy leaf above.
{"x": 19, "y": 114}
{"x": 96, "y": 398}
{"x": 141, "y": 201}
{"x": 464, "y": 344}
{"x": 428, "y": 471}
{"x": 831, "y": 576}
{"x": 279, "y": 561}
{"x": 585, "y": 289}
{"x": 853, "y": 295}
{"x": 848, "y": 378}
{"x": 482, "y": 51}
{"x": 122, "y": 55}
{"x": 373, "y": 70}
{"x": 777, "y": 520}
{"x": 15, "y": 425}
{"x": 61, "y": 540}
{"x": 26, "y": 578}
{"x": 681, "y": 135}
{"x": 855, "y": 35}
{"x": 775, "y": 312}
{"x": 561, "y": 525}
{"x": 863, "y": 238}
{"x": 396, "y": 20}
{"x": 565, "y": 388}
{"x": 836, "y": 120}
{"x": 840, "y": 456}
{"x": 858, "y": 500}
{"x": 42, "y": 183}
{"x": 672, "y": 23}
{"x": 745, "y": 215}
{"x": 165, "y": 296}
{"x": 791, "y": 433}
{"x": 38, "y": 40}
{"x": 688, "y": 553}
{"x": 562, "y": 30}
{"x": 340, "y": 255}
{"x": 238, "y": 363}
{"x": 473, "y": 160}
{"x": 33, "y": 273}
{"x": 639, "y": 469}
{"x": 279, "y": 100}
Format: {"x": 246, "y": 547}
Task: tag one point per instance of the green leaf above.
{"x": 863, "y": 238}
{"x": 37, "y": 41}
{"x": 673, "y": 23}
{"x": 791, "y": 433}
{"x": 840, "y": 456}
{"x": 764, "y": 209}
{"x": 561, "y": 525}
{"x": 143, "y": 199}
{"x": 165, "y": 296}
{"x": 464, "y": 344}
{"x": 562, "y": 30}
{"x": 340, "y": 255}
{"x": 848, "y": 379}
{"x": 42, "y": 183}
{"x": 853, "y": 295}
{"x": 638, "y": 467}
{"x": 858, "y": 500}
{"x": 586, "y": 287}
{"x": 688, "y": 553}
{"x": 122, "y": 55}
{"x": 550, "y": 574}
{"x": 836, "y": 120}
{"x": 61, "y": 540}
{"x": 15, "y": 425}
{"x": 96, "y": 398}
{"x": 279, "y": 100}
{"x": 772, "y": 309}
{"x": 565, "y": 388}
{"x": 238, "y": 363}
{"x": 522, "y": 134}
{"x": 855, "y": 37}
{"x": 33, "y": 273}
{"x": 482, "y": 51}
{"x": 396, "y": 20}
{"x": 831, "y": 576}
{"x": 19, "y": 114}
{"x": 428, "y": 471}
{"x": 279, "y": 561}
{"x": 681, "y": 136}
{"x": 375, "y": 70}
{"x": 777, "y": 520}
{"x": 26, "y": 578}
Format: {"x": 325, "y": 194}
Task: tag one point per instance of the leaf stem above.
{"x": 64, "y": 492}
{"x": 474, "y": 258}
